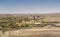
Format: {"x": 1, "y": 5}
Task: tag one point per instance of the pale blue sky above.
{"x": 29, "y": 6}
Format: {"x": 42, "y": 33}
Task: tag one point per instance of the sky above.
{"x": 29, "y": 6}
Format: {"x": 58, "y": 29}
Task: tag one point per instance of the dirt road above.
{"x": 34, "y": 32}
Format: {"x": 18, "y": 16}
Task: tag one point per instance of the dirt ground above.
{"x": 35, "y": 33}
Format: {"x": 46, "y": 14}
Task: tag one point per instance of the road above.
{"x": 34, "y": 32}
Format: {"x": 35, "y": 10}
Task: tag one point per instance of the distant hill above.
{"x": 51, "y": 14}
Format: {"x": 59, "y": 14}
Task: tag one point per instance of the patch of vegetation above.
{"x": 25, "y": 25}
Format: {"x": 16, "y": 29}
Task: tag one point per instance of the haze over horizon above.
{"x": 29, "y": 6}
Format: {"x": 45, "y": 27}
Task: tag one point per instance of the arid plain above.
{"x": 37, "y": 25}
